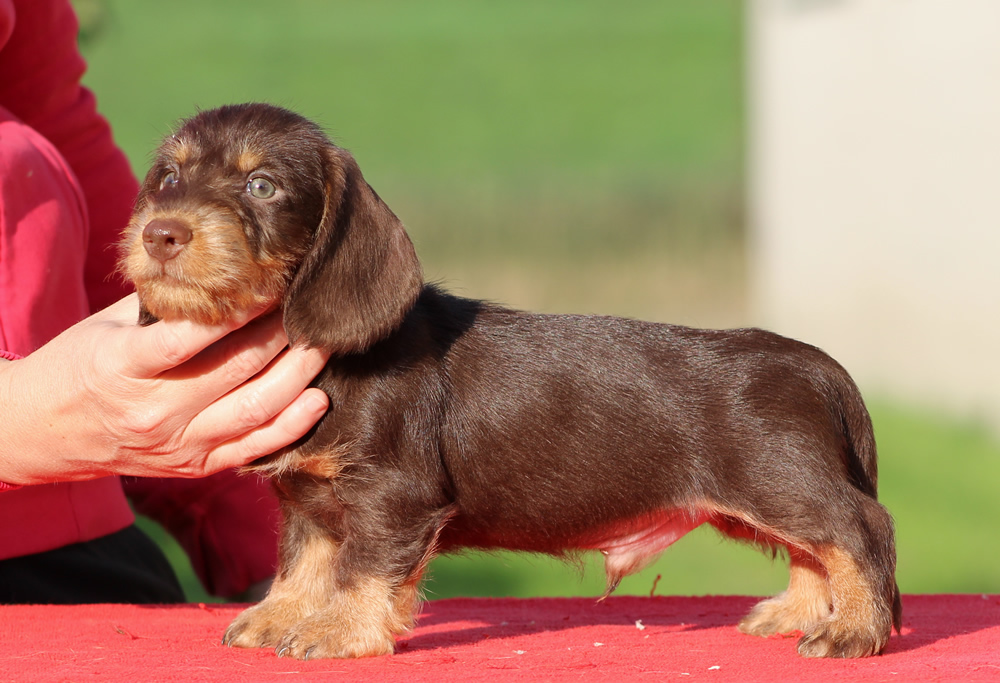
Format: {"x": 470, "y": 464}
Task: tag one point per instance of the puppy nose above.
{"x": 165, "y": 237}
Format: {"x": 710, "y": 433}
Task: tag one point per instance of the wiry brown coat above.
{"x": 458, "y": 423}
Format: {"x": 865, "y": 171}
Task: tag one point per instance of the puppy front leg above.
{"x": 304, "y": 585}
{"x": 376, "y": 577}
{"x": 362, "y": 620}
{"x": 375, "y": 599}
{"x": 315, "y": 609}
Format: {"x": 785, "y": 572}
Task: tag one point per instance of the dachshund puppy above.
{"x": 461, "y": 424}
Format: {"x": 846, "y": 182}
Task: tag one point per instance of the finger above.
{"x": 284, "y": 429}
{"x": 124, "y": 311}
{"x": 154, "y": 349}
{"x": 236, "y": 357}
{"x": 260, "y": 399}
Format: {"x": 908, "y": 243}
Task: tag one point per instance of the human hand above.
{"x": 173, "y": 399}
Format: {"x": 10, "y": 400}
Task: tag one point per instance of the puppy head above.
{"x": 250, "y": 206}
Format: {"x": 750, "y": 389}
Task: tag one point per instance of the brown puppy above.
{"x": 457, "y": 423}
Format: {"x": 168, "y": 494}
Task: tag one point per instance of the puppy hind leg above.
{"x": 804, "y": 604}
{"x": 863, "y": 616}
{"x": 861, "y": 565}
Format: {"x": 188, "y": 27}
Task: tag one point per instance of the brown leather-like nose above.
{"x": 165, "y": 237}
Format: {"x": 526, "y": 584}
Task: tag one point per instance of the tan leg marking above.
{"x": 361, "y": 621}
{"x": 306, "y": 616}
{"x": 304, "y": 590}
{"x": 860, "y": 623}
{"x": 804, "y": 604}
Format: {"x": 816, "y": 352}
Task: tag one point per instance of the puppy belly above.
{"x": 632, "y": 545}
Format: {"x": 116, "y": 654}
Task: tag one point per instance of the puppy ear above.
{"x": 361, "y": 276}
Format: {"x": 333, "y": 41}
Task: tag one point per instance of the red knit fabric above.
{"x": 227, "y": 524}
{"x": 40, "y": 71}
{"x": 953, "y": 637}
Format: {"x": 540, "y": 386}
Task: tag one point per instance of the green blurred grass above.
{"x": 522, "y": 129}
{"x": 555, "y": 155}
{"x": 443, "y": 87}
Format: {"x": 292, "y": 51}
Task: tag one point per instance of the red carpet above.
{"x": 625, "y": 638}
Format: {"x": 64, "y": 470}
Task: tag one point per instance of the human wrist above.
{"x": 5, "y": 401}
{"x": 26, "y": 431}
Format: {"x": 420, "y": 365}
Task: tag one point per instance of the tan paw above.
{"x": 832, "y": 639}
{"x": 783, "y": 614}
{"x": 324, "y": 636}
{"x": 262, "y": 625}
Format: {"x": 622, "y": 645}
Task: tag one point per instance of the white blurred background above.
{"x": 874, "y": 166}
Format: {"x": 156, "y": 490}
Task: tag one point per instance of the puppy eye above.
{"x": 261, "y": 188}
{"x": 169, "y": 180}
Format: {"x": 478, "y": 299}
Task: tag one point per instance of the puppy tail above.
{"x": 862, "y": 454}
{"x": 897, "y": 609}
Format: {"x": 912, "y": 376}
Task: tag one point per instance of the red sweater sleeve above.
{"x": 40, "y": 71}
